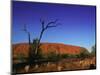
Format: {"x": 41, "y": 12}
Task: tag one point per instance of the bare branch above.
{"x": 49, "y": 25}
{"x": 25, "y": 29}
{"x": 42, "y": 22}
{"x": 28, "y": 33}
{"x": 53, "y": 22}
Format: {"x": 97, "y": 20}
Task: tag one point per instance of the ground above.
{"x": 62, "y": 65}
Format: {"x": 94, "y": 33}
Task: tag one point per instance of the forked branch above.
{"x": 44, "y": 28}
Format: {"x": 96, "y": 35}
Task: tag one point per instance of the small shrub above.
{"x": 53, "y": 56}
{"x": 65, "y": 55}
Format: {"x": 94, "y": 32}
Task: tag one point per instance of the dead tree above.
{"x": 30, "y": 53}
{"x": 44, "y": 28}
{"x": 28, "y": 33}
{"x": 33, "y": 53}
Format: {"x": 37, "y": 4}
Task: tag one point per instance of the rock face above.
{"x": 23, "y": 48}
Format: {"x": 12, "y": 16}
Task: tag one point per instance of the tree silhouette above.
{"x": 31, "y": 51}
{"x": 34, "y": 47}
{"x": 28, "y": 33}
{"x": 45, "y": 26}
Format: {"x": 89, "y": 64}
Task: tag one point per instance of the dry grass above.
{"x": 63, "y": 65}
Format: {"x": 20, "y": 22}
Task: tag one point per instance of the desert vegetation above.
{"x": 58, "y": 57}
{"x": 56, "y": 62}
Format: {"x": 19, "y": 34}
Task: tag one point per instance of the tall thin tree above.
{"x": 28, "y": 33}
{"x": 30, "y": 53}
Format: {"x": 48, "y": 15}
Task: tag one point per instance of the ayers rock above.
{"x": 23, "y": 48}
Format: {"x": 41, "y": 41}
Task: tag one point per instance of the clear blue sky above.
{"x": 77, "y": 23}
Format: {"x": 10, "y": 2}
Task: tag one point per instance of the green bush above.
{"x": 84, "y": 53}
{"x": 53, "y": 56}
{"x": 65, "y": 55}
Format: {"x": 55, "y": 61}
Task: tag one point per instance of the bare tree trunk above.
{"x": 38, "y": 44}
{"x": 29, "y": 39}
